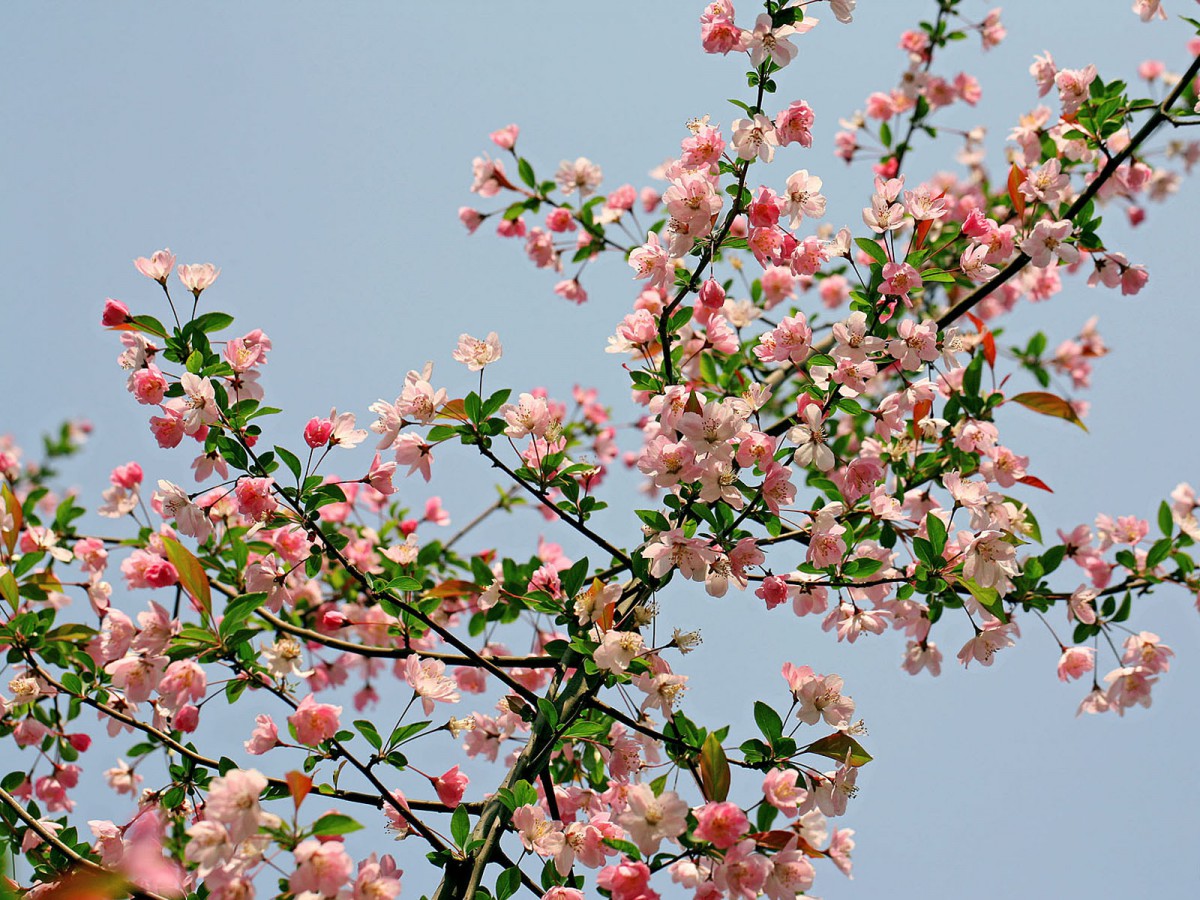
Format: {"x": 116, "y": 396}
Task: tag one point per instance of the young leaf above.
{"x": 1049, "y": 405}
{"x": 191, "y": 574}
{"x": 714, "y": 768}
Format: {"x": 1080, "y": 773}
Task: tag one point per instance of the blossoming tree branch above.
{"x": 820, "y": 423}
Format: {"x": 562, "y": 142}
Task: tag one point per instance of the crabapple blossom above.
{"x": 475, "y": 354}
{"x": 754, "y": 138}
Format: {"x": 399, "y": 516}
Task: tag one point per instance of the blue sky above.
{"x": 318, "y": 154}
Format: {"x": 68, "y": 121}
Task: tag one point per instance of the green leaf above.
{"x": 872, "y": 249}
{"x": 768, "y": 721}
{"x": 524, "y": 793}
{"x": 525, "y": 170}
{"x": 149, "y": 324}
{"x": 861, "y": 568}
{"x": 403, "y": 584}
{"x": 988, "y": 598}
{"x": 1160, "y": 551}
{"x": 290, "y": 460}
{"x": 1166, "y": 522}
{"x": 837, "y": 746}
{"x": 971, "y": 378}
{"x": 212, "y": 321}
{"x": 508, "y": 883}
{"x": 335, "y": 823}
{"x": 936, "y": 529}
{"x": 238, "y": 610}
{"x": 460, "y": 826}
{"x": 625, "y": 847}
{"x": 367, "y": 730}
{"x": 924, "y": 552}
{"x": 403, "y": 732}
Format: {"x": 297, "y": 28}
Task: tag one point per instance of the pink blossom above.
{"x": 255, "y": 498}
{"x": 982, "y": 648}
{"x": 767, "y": 41}
{"x": 314, "y": 722}
{"x": 158, "y": 266}
{"x": 1076, "y": 662}
{"x": 794, "y": 124}
{"x": 719, "y": 34}
{"x": 627, "y": 881}
{"x": 1073, "y": 87}
{"x": 754, "y": 138}
{"x": 505, "y": 138}
{"x": 791, "y": 340}
{"x": 233, "y": 802}
{"x": 136, "y": 675}
{"x": 785, "y": 790}
{"x": 451, "y": 786}
{"x": 323, "y": 868}
{"x": 651, "y": 261}
{"x": 1146, "y": 650}
{"x": 743, "y": 872}
{"x": 198, "y": 277}
{"x": 649, "y": 818}
{"x": 475, "y": 353}
{"x": 582, "y": 175}
{"x": 428, "y": 678}
{"x": 264, "y": 737}
{"x": 900, "y": 278}
{"x": 1129, "y": 686}
{"x": 183, "y": 682}
{"x": 617, "y": 650}
{"x": 721, "y": 824}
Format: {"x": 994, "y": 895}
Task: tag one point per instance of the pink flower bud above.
{"x": 80, "y": 742}
{"x": 127, "y": 476}
{"x": 712, "y": 295}
{"x": 451, "y": 786}
{"x": 332, "y": 620}
{"x": 115, "y": 313}
{"x": 187, "y": 718}
{"x": 471, "y": 218}
{"x": 506, "y": 137}
{"x": 317, "y": 432}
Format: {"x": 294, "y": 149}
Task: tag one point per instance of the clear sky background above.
{"x": 318, "y": 154}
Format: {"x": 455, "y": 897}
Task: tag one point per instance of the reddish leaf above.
{"x": 299, "y": 785}
{"x": 922, "y": 230}
{"x": 989, "y": 349}
{"x": 454, "y": 409}
{"x": 920, "y": 411}
{"x": 714, "y": 769}
{"x": 1034, "y": 481}
{"x": 453, "y": 588}
{"x": 191, "y": 574}
{"x": 9, "y": 588}
{"x": 977, "y": 322}
{"x": 1015, "y": 176}
{"x": 1049, "y": 405}
{"x": 18, "y": 518}
{"x": 772, "y": 840}
{"x": 78, "y": 883}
